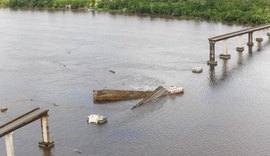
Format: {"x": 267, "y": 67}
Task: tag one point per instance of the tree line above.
{"x": 240, "y": 11}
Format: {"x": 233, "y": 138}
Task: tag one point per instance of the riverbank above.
{"x": 238, "y": 11}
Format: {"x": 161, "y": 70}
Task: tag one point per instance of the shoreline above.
{"x": 143, "y": 15}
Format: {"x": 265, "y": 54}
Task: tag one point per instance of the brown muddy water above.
{"x": 59, "y": 57}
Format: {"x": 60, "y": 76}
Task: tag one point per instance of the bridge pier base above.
{"x": 268, "y": 34}
{"x": 45, "y": 143}
{"x": 240, "y": 49}
{"x": 259, "y": 40}
{"x": 250, "y": 43}
{"x": 9, "y": 144}
{"x": 212, "y": 61}
{"x": 225, "y": 54}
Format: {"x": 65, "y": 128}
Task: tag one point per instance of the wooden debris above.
{"x": 107, "y": 95}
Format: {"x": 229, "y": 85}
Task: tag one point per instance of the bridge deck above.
{"x": 22, "y": 120}
{"x": 237, "y": 33}
{"x": 158, "y": 92}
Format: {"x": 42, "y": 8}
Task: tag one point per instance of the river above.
{"x": 54, "y": 59}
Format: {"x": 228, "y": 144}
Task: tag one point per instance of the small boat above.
{"x": 197, "y": 69}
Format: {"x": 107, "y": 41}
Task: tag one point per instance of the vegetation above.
{"x": 241, "y": 11}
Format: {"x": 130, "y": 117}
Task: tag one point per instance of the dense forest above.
{"x": 240, "y": 11}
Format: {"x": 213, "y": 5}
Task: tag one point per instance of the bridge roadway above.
{"x": 237, "y": 33}
{"x": 22, "y": 120}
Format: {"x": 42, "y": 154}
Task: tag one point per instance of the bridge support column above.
{"x": 259, "y": 41}
{"x": 250, "y": 42}
{"x": 225, "y": 54}
{"x": 9, "y": 144}
{"x": 268, "y": 34}
{"x": 212, "y": 61}
{"x": 46, "y": 143}
{"x": 240, "y": 47}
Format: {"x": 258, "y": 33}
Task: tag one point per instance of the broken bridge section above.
{"x": 29, "y": 117}
{"x": 158, "y": 92}
{"x": 109, "y": 95}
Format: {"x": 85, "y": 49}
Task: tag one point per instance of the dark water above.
{"x": 60, "y": 57}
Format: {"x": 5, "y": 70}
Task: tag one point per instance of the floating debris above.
{"x": 107, "y": 95}
{"x": 77, "y": 151}
{"x": 3, "y": 109}
{"x": 97, "y": 119}
{"x": 197, "y": 69}
{"x": 159, "y": 92}
{"x": 112, "y": 71}
{"x": 175, "y": 90}
{"x": 55, "y": 104}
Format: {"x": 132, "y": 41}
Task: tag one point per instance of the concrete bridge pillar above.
{"x": 212, "y": 61}
{"x": 268, "y": 34}
{"x": 240, "y": 47}
{"x": 250, "y": 43}
{"x": 225, "y": 54}
{"x": 259, "y": 41}
{"x": 45, "y": 133}
{"x": 9, "y": 144}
